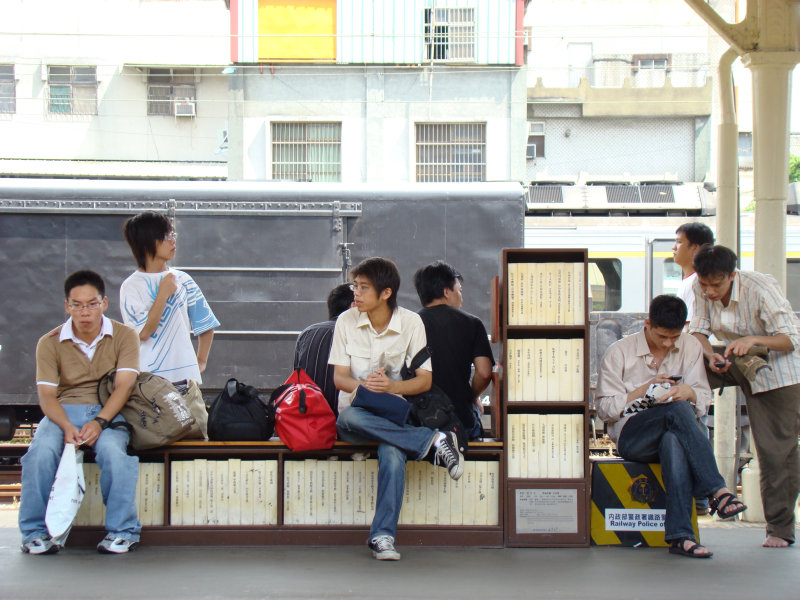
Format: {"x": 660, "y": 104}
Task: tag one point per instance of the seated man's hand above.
{"x": 378, "y": 382}
{"x": 680, "y": 392}
{"x": 72, "y": 435}
{"x": 90, "y": 432}
{"x": 661, "y": 378}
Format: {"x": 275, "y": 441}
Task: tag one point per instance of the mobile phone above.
{"x": 674, "y": 378}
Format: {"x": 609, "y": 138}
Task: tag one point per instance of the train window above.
{"x": 672, "y": 277}
{"x": 793, "y": 283}
{"x": 605, "y": 283}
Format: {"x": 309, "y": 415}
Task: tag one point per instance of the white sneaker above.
{"x": 382, "y": 548}
{"x": 112, "y": 544}
{"x": 40, "y": 545}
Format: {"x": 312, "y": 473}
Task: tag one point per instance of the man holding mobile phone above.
{"x": 652, "y": 416}
{"x": 746, "y": 309}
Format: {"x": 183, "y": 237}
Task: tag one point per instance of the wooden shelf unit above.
{"x": 286, "y": 534}
{"x": 544, "y": 511}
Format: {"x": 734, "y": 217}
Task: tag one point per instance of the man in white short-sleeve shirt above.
{"x": 371, "y": 343}
{"x": 163, "y": 304}
{"x": 689, "y": 237}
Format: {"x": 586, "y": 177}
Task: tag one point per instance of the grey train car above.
{"x": 265, "y": 255}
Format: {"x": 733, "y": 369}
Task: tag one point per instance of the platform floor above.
{"x": 739, "y": 570}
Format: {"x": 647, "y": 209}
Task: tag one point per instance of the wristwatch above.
{"x": 103, "y": 423}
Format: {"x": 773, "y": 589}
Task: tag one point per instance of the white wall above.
{"x": 601, "y": 148}
{"x": 111, "y": 34}
{"x": 612, "y": 27}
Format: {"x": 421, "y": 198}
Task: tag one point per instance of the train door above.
{"x": 663, "y": 275}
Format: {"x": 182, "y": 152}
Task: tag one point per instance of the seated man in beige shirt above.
{"x": 651, "y": 389}
{"x": 70, "y": 360}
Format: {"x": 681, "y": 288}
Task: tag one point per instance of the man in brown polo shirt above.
{"x": 70, "y": 360}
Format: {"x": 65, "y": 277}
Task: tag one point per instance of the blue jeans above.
{"x": 477, "y": 429}
{"x": 395, "y": 444}
{"x": 669, "y": 434}
{"x": 118, "y": 475}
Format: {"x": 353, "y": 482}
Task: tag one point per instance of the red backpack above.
{"x": 303, "y": 418}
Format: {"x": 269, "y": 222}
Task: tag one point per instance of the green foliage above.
{"x": 794, "y": 168}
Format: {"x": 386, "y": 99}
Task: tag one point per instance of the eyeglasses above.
{"x": 92, "y": 306}
{"x": 172, "y": 235}
{"x": 361, "y": 289}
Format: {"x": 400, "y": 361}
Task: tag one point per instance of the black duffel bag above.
{"x": 239, "y": 414}
{"x": 433, "y": 409}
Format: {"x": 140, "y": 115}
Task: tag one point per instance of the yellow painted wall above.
{"x": 279, "y": 21}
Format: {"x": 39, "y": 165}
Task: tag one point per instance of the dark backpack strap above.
{"x": 102, "y": 387}
{"x": 121, "y": 425}
{"x": 408, "y": 372}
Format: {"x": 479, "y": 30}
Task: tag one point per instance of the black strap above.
{"x": 275, "y": 398}
{"x": 121, "y": 425}
{"x": 420, "y": 358}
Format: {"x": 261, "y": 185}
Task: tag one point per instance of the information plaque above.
{"x": 546, "y": 510}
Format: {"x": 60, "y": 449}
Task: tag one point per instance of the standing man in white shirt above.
{"x": 688, "y": 239}
{"x": 163, "y": 304}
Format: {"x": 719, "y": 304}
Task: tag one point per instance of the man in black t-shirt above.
{"x": 457, "y": 341}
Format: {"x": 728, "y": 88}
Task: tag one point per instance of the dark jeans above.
{"x": 669, "y": 434}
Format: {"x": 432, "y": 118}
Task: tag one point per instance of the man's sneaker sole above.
{"x": 386, "y": 555}
{"x": 104, "y": 550}
{"x": 53, "y": 549}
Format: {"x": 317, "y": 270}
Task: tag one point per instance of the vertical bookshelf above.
{"x": 544, "y": 409}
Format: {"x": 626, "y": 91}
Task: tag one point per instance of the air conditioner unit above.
{"x": 185, "y": 108}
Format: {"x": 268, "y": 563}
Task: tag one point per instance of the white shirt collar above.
{"x": 67, "y": 333}
{"x": 395, "y": 324}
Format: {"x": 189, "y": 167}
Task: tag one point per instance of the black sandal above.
{"x": 676, "y": 547}
{"x": 733, "y": 503}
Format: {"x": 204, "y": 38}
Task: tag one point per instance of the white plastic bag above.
{"x": 66, "y": 495}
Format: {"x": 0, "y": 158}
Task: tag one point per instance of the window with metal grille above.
{"x": 450, "y": 34}
{"x": 167, "y": 87}
{"x": 72, "y": 90}
{"x": 451, "y": 151}
{"x": 8, "y": 92}
{"x": 307, "y": 151}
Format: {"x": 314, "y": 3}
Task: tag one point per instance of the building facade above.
{"x": 377, "y": 90}
{"x": 110, "y": 88}
{"x": 618, "y": 91}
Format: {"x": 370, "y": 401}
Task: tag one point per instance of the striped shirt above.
{"x": 311, "y": 354}
{"x": 757, "y": 307}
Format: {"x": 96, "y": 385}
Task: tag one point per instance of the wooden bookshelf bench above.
{"x": 282, "y": 533}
